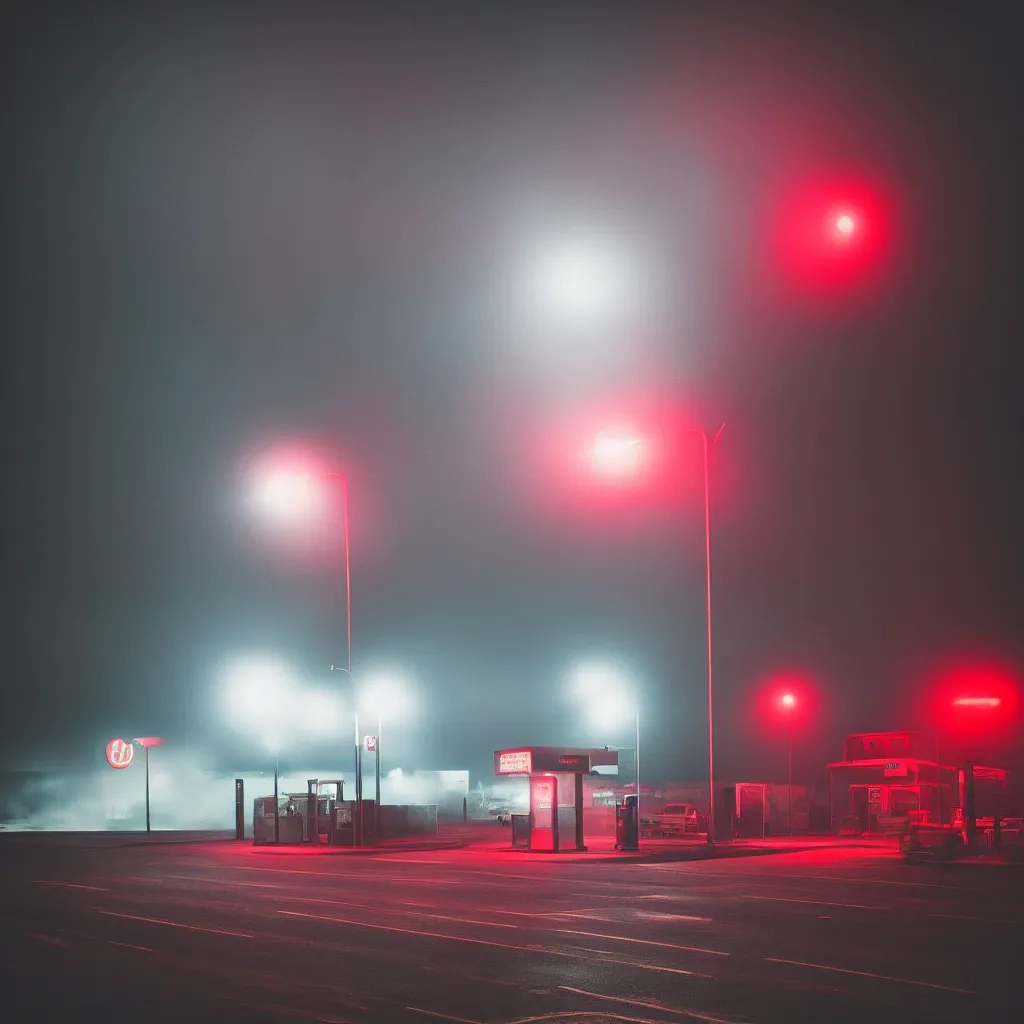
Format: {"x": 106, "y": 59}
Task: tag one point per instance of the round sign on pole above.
{"x": 119, "y": 754}
{"x": 370, "y": 742}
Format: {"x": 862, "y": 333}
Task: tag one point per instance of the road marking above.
{"x": 566, "y": 1014}
{"x": 678, "y": 1010}
{"x": 487, "y": 942}
{"x": 50, "y": 940}
{"x": 461, "y": 920}
{"x": 471, "y": 977}
{"x": 641, "y": 942}
{"x": 816, "y": 903}
{"x": 128, "y": 945}
{"x": 875, "y": 977}
{"x": 544, "y": 913}
{"x": 607, "y": 957}
{"x": 72, "y": 885}
{"x": 402, "y": 931}
{"x": 443, "y": 1016}
{"x": 386, "y": 909}
{"x": 350, "y": 874}
{"x": 873, "y": 881}
{"x": 174, "y": 924}
{"x": 984, "y": 920}
{"x": 654, "y": 915}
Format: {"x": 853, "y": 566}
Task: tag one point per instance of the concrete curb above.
{"x": 676, "y": 856}
{"x": 356, "y": 851}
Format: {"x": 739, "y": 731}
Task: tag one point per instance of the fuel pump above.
{"x": 543, "y": 812}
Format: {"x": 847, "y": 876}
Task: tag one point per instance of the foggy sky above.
{"x": 222, "y": 232}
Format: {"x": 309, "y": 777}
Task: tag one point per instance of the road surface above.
{"x": 224, "y": 932}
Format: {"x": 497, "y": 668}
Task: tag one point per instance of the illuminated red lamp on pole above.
{"x": 831, "y": 234}
{"x": 789, "y": 704}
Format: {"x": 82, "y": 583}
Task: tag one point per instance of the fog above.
{"x": 185, "y": 794}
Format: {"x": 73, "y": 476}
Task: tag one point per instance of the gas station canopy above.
{"x": 556, "y": 790}
{"x": 529, "y": 760}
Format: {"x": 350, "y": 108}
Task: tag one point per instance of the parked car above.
{"x": 675, "y": 820}
{"x": 502, "y": 815}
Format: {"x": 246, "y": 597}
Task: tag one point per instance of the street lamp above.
{"x": 788, "y": 703}
{"x": 146, "y": 742}
{"x": 274, "y": 747}
{"x": 288, "y": 493}
{"x": 620, "y": 452}
{"x": 608, "y": 694}
{"x": 586, "y": 280}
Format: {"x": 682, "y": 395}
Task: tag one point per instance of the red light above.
{"x": 977, "y": 702}
{"x": 788, "y": 701}
{"x": 831, "y": 234}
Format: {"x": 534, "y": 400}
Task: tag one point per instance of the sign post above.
{"x": 146, "y": 742}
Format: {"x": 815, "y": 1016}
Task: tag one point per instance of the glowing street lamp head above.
{"x": 845, "y": 225}
{"x": 977, "y": 702}
{"x": 385, "y": 696}
{"x": 585, "y": 280}
{"x": 286, "y": 496}
{"x": 607, "y": 693}
{"x": 617, "y": 453}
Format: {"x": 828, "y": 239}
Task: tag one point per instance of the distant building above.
{"x": 888, "y": 779}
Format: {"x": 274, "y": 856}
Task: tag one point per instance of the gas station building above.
{"x": 556, "y": 789}
{"x": 887, "y": 779}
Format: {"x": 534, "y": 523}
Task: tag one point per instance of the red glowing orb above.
{"x": 831, "y": 235}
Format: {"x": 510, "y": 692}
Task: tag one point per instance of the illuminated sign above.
{"x": 370, "y": 742}
{"x": 567, "y": 759}
{"x": 896, "y": 769}
{"x": 120, "y": 754}
{"x": 515, "y": 762}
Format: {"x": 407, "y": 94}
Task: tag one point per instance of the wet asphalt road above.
{"x": 223, "y": 932}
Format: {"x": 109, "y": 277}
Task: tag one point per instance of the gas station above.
{"x": 555, "y": 820}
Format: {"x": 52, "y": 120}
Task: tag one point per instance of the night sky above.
{"x": 222, "y": 232}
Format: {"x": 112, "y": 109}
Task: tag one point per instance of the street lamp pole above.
{"x": 376, "y": 805}
{"x": 791, "y": 781}
{"x": 636, "y": 769}
{"x": 358, "y": 755}
{"x": 277, "y": 805}
{"x": 343, "y": 480}
{"x": 707, "y": 445}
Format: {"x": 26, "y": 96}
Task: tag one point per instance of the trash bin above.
{"x": 627, "y": 833}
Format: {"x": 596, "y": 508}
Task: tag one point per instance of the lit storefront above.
{"x": 887, "y": 780}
